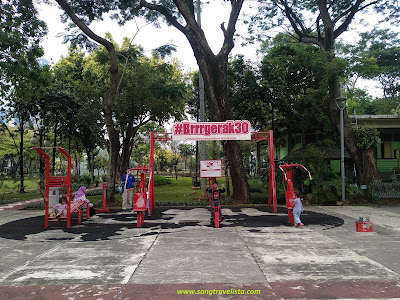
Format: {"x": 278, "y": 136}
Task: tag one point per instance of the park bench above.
{"x": 385, "y": 191}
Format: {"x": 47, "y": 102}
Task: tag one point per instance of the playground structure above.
{"x": 214, "y": 202}
{"x": 142, "y": 199}
{"x": 104, "y": 208}
{"x": 141, "y": 196}
{"x": 288, "y": 170}
{"x": 211, "y": 169}
{"x": 62, "y": 182}
{"x": 254, "y": 136}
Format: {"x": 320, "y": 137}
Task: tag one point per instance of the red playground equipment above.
{"x": 288, "y": 187}
{"x": 255, "y": 136}
{"x": 104, "y": 208}
{"x": 141, "y": 197}
{"x": 63, "y": 182}
{"x": 214, "y": 202}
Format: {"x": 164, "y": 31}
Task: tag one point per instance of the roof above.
{"x": 378, "y": 121}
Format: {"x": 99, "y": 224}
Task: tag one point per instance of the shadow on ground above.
{"x": 109, "y": 225}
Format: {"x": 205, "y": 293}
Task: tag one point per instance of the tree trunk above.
{"x": 127, "y": 145}
{"x": 113, "y": 134}
{"x": 364, "y": 160}
{"x": 214, "y": 70}
{"x": 216, "y": 88}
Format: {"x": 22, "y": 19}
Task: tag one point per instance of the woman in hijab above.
{"x": 80, "y": 196}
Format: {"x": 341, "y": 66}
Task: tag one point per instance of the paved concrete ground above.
{"x": 178, "y": 251}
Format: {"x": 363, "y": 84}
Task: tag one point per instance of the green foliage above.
{"x": 20, "y": 34}
{"x": 326, "y": 185}
{"x": 243, "y": 83}
{"x": 161, "y": 180}
{"x": 256, "y": 186}
{"x": 367, "y": 138}
{"x": 79, "y": 180}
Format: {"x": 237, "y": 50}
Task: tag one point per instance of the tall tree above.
{"x": 20, "y": 35}
{"x": 113, "y": 134}
{"x": 330, "y": 20}
{"x": 181, "y": 15}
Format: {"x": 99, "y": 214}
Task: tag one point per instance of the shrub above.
{"x": 326, "y": 185}
{"x": 79, "y": 180}
{"x": 161, "y": 180}
{"x": 256, "y": 186}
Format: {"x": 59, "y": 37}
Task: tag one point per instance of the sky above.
{"x": 149, "y": 37}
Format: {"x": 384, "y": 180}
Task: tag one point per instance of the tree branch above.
{"x": 85, "y": 29}
{"x": 323, "y": 9}
{"x": 354, "y": 9}
{"x": 162, "y": 10}
{"x": 229, "y": 31}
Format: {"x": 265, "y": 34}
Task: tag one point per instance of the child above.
{"x": 80, "y": 196}
{"x": 297, "y": 210}
{"x": 60, "y": 209}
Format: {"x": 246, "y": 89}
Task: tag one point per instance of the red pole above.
{"x": 47, "y": 193}
{"x": 151, "y": 191}
{"x": 272, "y": 183}
{"x": 66, "y": 155}
{"x": 104, "y": 197}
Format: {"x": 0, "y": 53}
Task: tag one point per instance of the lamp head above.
{"x": 34, "y": 140}
{"x": 341, "y": 102}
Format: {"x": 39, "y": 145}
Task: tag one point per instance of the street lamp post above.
{"x": 341, "y": 104}
{"x": 34, "y": 140}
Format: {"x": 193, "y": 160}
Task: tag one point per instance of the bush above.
{"x": 161, "y": 180}
{"x": 257, "y": 186}
{"x": 326, "y": 185}
{"x": 78, "y": 180}
{"x": 258, "y": 198}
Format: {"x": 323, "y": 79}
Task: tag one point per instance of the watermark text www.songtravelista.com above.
{"x": 219, "y": 292}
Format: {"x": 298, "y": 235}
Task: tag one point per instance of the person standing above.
{"x": 297, "y": 207}
{"x": 129, "y": 184}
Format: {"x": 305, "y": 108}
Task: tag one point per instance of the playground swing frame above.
{"x": 255, "y": 136}
{"x": 63, "y": 182}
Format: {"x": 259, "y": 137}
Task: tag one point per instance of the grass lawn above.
{"x": 10, "y": 185}
{"x": 178, "y": 193}
{"x": 9, "y": 190}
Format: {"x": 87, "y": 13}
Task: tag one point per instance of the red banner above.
{"x": 228, "y": 130}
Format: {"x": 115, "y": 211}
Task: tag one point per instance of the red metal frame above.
{"x": 104, "y": 209}
{"x": 287, "y": 170}
{"x": 55, "y": 181}
{"x": 139, "y": 206}
{"x": 215, "y": 205}
{"x": 255, "y": 136}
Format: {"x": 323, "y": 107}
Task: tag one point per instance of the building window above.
{"x": 386, "y": 150}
